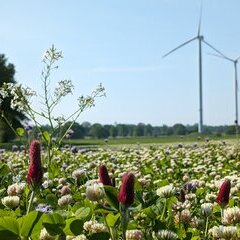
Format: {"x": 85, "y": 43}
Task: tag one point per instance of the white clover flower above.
{"x": 134, "y": 234}
{"x": 210, "y": 197}
{"x": 166, "y": 235}
{"x": 94, "y": 191}
{"x": 44, "y": 235}
{"x": 206, "y": 209}
{"x": 183, "y": 217}
{"x": 79, "y": 237}
{"x": 166, "y": 191}
{"x": 65, "y": 190}
{"x": 47, "y": 183}
{"x": 78, "y": 173}
{"x": 231, "y": 215}
{"x": 224, "y": 232}
{"x": 11, "y": 201}
{"x": 15, "y": 189}
{"x": 94, "y": 227}
{"x": 65, "y": 200}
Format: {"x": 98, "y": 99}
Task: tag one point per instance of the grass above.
{"x": 125, "y": 141}
{"x": 134, "y": 141}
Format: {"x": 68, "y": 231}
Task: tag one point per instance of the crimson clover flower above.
{"x": 35, "y": 172}
{"x": 223, "y": 194}
{"x": 104, "y": 176}
{"x": 126, "y": 193}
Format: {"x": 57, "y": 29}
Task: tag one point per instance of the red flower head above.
{"x": 223, "y": 195}
{"x": 103, "y": 175}
{"x": 126, "y": 194}
{"x": 35, "y": 172}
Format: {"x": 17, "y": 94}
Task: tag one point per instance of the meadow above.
{"x": 187, "y": 191}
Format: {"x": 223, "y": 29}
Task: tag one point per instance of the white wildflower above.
{"x": 15, "y": 189}
{"x": 206, "y": 209}
{"x": 11, "y": 201}
{"x": 94, "y": 227}
{"x": 94, "y": 191}
{"x": 224, "y": 232}
{"x": 134, "y": 234}
{"x": 44, "y": 235}
{"x": 65, "y": 200}
{"x": 166, "y": 235}
{"x": 166, "y": 191}
{"x": 231, "y": 215}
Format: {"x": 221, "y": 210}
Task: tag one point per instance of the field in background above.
{"x": 163, "y": 140}
{"x": 134, "y": 141}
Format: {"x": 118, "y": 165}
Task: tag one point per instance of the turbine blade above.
{"x": 200, "y": 18}
{"x": 183, "y": 44}
{"x": 237, "y": 58}
{"x": 208, "y": 44}
{"x": 221, "y": 56}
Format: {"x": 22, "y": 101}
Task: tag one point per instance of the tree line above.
{"x": 102, "y": 131}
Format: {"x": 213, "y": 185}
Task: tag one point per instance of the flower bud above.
{"x": 103, "y": 175}
{"x": 126, "y": 194}
{"x": 223, "y": 195}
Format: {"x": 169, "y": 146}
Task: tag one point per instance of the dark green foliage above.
{"x": 7, "y": 72}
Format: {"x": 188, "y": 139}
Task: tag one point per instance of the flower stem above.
{"x": 206, "y": 228}
{"x": 164, "y": 209}
{"x": 30, "y": 201}
{"x": 124, "y": 220}
{"x": 222, "y": 212}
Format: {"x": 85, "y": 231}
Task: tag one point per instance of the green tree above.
{"x": 98, "y": 131}
{"x": 15, "y": 118}
{"x": 179, "y": 129}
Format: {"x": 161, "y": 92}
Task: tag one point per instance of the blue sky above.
{"x": 121, "y": 44}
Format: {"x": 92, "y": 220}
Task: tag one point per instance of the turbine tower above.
{"x": 235, "y": 62}
{"x": 201, "y": 40}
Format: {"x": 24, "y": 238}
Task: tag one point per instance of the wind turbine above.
{"x": 201, "y": 40}
{"x": 235, "y": 62}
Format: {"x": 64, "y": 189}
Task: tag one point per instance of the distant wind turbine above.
{"x": 235, "y": 62}
{"x": 201, "y": 40}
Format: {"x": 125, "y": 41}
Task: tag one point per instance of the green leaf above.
{"x": 54, "y": 223}
{"x": 51, "y": 199}
{"x": 100, "y": 236}
{"x": 83, "y": 213}
{"x": 46, "y": 136}
{"x": 188, "y": 236}
{"x": 4, "y": 170}
{"x": 20, "y": 132}
{"x": 137, "y": 185}
{"x": 73, "y": 227}
{"x": 9, "y": 228}
{"x": 112, "y": 219}
{"x": 30, "y": 224}
{"x": 162, "y": 183}
{"x": 8, "y": 235}
{"x": 53, "y": 171}
{"x": 149, "y": 212}
{"x": 159, "y": 225}
{"x": 111, "y": 196}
